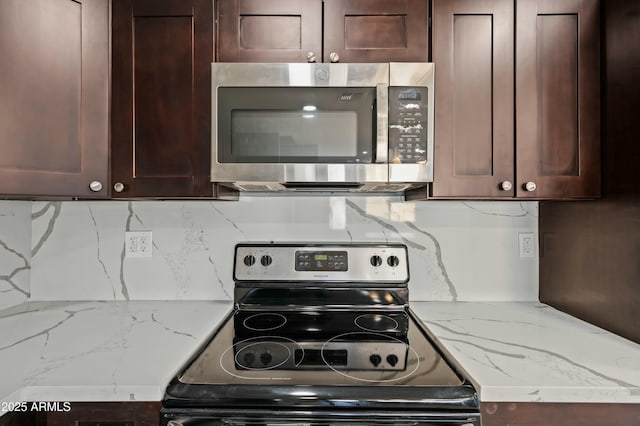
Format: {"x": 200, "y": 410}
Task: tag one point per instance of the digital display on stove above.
{"x": 321, "y": 261}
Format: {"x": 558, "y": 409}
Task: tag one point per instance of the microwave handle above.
{"x": 382, "y": 123}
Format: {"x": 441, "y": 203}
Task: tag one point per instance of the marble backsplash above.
{"x": 15, "y": 252}
{"x": 464, "y": 251}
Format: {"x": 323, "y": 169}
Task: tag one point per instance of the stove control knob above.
{"x": 375, "y": 359}
{"x": 265, "y": 358}
{"x": 249, "y": 260}
{"x": 376, "y": 260}
{"x": 249, "y": 358}
{"x": 393, "y": 261}
{"x": 392, "y": 360}
{"x": 266, "y": 260}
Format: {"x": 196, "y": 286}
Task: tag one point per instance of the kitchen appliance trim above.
{"x": 382, "y": 174}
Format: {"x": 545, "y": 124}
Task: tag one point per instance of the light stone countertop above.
{"x": 125, "y": 351}
{"x": 531, "y": 352}
{"x": 99, "y": 351}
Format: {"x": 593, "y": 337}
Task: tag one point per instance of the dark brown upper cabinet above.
{"x": 376, "y": 31}
{"x": 161, "y": 114}
{"x": 317, "y": 31}
{"x": 533, "y": 133}
{"x": 558, "y": 98}
{"x": 474, "y": 98}
{"x": 269, "y": 31}
{"x": 54, "y": 98}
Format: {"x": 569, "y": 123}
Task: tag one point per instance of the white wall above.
{"x": 15, "y": 252}
{"x": 466, "y": 251}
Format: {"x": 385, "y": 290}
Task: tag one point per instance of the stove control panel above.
{"x": 355, "y": 263}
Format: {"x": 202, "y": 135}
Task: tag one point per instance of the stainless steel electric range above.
{"x": 321, "y": 334}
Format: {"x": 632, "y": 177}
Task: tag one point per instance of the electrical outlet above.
{"x": 527, "y": 244}
{"x": 138, "y": 243}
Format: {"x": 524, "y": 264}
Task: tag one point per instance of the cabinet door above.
{"x": 269, "y": 31}
{"x": 558, "y": 414}
{"x": 376, "y": 30}
{"x": 474, "y": 126}
{"x": 54, "y": 97}
{"x": 21, "y": 419}
{"x": 107, "y": 414}
{"x": 161, "y": 117}
{"x": 558, "y": 98}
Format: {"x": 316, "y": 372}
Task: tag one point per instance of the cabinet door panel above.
{"x": 106, "y": 414}
{"x": 269, "y": 31}
{"x": 473, "y": 55}
{"x": 376, "y": 30}
{"x": 558, "y": 414}
{"x": 557, "y": 98}
{"x": 54, "y": 95}
{"x": 161, "y": 97}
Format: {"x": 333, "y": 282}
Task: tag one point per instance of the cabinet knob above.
{"x": 95, "y": 186}
{"x": 529, "y": 186}
{"x": 506, "y": 185}
{"x": 334, "y": 57}
{"x": 118, "y": 186}
{"x": 311, "y": 57}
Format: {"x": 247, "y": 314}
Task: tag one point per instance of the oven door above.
{"x": 202, "y": 417}
{"x": 299, "y": 123}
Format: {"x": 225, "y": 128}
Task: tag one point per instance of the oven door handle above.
{"x": 382, "y": 123}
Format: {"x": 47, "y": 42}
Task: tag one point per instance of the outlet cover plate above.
{"x": 527, "y": 244}
{"x": 138, "y": 244}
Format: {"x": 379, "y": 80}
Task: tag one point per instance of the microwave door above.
{"x": 272, "y": 125}
{"x": 296, "y": 125}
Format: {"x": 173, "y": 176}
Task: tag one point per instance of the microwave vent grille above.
{"x": 389, "y": 187}
{"x": 254, "y": 187}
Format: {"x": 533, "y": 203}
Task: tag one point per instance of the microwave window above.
{"x": 256, "y": 134}
{"x": 296, "y": 124}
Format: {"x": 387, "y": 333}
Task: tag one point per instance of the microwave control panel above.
{"x": 408, "y": 124}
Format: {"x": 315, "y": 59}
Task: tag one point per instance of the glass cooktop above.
{"x": 359, "y": 347}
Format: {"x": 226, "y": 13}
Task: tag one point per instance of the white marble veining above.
{"x": 121, "y": 351}
{"x": 99, "y": 351}
{"x": 15, "y": 253}
{"x": 458, "y": 250}
{"x": 532, "y": 352}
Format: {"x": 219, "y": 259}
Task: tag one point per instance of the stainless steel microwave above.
{"x": 325, "y": 126}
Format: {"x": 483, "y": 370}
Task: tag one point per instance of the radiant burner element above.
{"x": 271, "y": 341}
{"x": 263, "y": 355}
{"x": 376, "y": 322}
{"x": 363, "y": 351}
{"x": 384, "y": 353}
{"x": 265, "y": 321}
